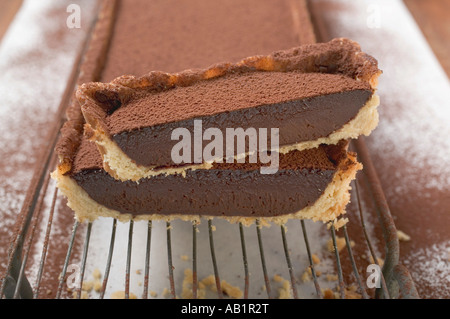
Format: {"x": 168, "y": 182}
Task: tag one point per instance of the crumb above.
{"x": 87, "y": 286}
{"x": 340, "y": 222}
{"x": 315, "y": 259}
{"x": 284, "y": 292}
{"x": 96, "y": 274}
{"x": 165, "y": 292}
{"x": 184, "y": 257}
{"x": 402, "y": 236}
{"x": 278, "y": 278}
{"x": 306, "y": 276}
{"x": 138, "y": 271}
{"x": 213, "y": 228}
{"x": 328, "y": 293}
{"x": 84, "y": 295}
{"x": 379, "y": 260}
{"x": 230, "y": 290}
{"x": 98, "y": 286}
{"x": 350, "y": 293}
{"x": 153, "y": 294}
{"x": 120, "y": 294}
{"x": 187, "y": 285}
{"x": 263, "y": 223}
{"x": 208, "y": 281}
{"x": 332, "y": 277}
{"x": 340, "y": 244}
{"x": 49, "y": 292}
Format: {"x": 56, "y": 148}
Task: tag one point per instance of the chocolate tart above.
{"x": 312, "y": 94}
{"x": 311, "y": 183}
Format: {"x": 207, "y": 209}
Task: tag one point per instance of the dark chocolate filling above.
{"x": 225, "y": 189}
{"x": 298, "y": 121}
{"x": 209, "y": 192}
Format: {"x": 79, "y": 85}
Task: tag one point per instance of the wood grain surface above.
{"x": 8, "y": 9}
{"x": 433, "y": 18}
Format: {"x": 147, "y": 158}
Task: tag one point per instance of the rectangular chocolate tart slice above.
{"x": 309, "y": 184}
{"x": 313, "y": 94}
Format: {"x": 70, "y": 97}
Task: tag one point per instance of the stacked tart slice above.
{"x": 265, "y": 137}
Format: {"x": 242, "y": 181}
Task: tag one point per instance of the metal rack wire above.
{"x": 395, "y": 279}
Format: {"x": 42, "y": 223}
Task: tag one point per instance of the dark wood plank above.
{"x": 433, "y": 17}
{"x": 8, "y": 9}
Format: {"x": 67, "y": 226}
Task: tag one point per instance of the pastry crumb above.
{"x": 331, "y": 277}
{"x": 306, "y": 277}
{"x": 98, "y": 286}
{"x": 284, "y": 292}
{"x": 96, "y": 274}
{"x": 340, "y": 244}
{"x": 207, "y": 284}
{"x": 328, "y": 293}
{"x": 87, "y": 286}
{"x": 403, "y": 236}
{"x": 230, "y": 290}
{"x": 380, "y": 261}
{"x": 315, "y": 259}
{"x": 84, "y": 294}
{"x": 120, "y": 294}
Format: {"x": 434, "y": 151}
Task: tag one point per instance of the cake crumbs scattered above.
{"x": 315, "y": 259}
{"x": 87, "y": 286}
{"x": 328, "y": 293}
{"x": 340, "y": 244}
{"x": 230, "y": 290}
{"x": 165, "y": 292}
{"x": 338, "y": 223}
{"x": 207, "y": 284}
{"x": 84, "y": 295}
{"x": 306, "y": 276}
{"x": 350, "y": 293}
{"x": 331, "y": 277}
{"x": 284, "y": 292}
{"x": 98, "y": 286}
{"x": 96, "y": 274}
